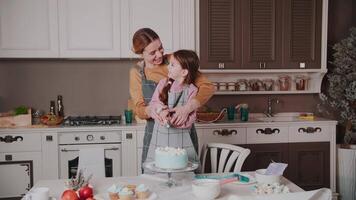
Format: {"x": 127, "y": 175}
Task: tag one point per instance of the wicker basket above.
{"x": 210, "y": 117}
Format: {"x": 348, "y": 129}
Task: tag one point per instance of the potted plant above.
{"x": 340, "y": 98}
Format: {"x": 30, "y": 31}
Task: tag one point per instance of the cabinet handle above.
{"x": 260, "y": 65}
{"x": 10, "y": 139}
{"x": 70, "y": 150}
{"x": 224, "y": 132}
{"x": 309, "y": 130}
{"x": 264, "y": 65}
{"x": 221, "y": 65}
{"x": 268, "y": 131}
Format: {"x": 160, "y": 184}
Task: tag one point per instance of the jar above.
{"x": 216, "y": 86}
{"x": 301, "y": 82}
{"x": 268, "y": 84}
{"x": 242, "y": 85}
{"x": 284, "y": 82}
{"x": 222, "y": 86}
{"x": 255, "y": 84}
{"x": 231, "y": 86}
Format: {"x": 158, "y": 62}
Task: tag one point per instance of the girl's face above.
{"x": 153, "y": 53}
{"x": 175, "y": 70}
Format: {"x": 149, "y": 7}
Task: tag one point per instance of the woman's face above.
{"x": 153, "y": 53}
{"x": 175, "y": 70}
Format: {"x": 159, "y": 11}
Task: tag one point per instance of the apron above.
{"x": 148, "y": 88}
{"x": 163, "y": 136}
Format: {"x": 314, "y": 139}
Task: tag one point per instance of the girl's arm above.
{"x": 156, "y": 106}
{"x": 192, "y": 116}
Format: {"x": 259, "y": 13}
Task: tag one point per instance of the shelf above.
{"x": 260, "y": 71}
{"x": 264, "y": 92}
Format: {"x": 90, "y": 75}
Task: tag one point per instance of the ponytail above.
{"x": 163, "y": 96}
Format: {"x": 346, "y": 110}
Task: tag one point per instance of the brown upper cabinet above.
{"x": 260, "y": 34}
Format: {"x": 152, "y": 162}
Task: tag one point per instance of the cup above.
{"x": 244, "y": 112}
{"x": 40, "y": 193}
{"x": 128, "y": 116}
{"x": 231, "y": 112}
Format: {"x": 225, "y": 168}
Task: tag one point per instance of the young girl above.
{"x": 177, "y": 90}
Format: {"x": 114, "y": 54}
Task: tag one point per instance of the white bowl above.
{"x": 206, "y": 189}
{"x": 262, "y": 178}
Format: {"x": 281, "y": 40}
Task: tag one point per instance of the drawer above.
{"x": 139, "y": 138}
{"x": 309, "y": 133}
{"x": 267, "y": 134}
{"x": 20, "y": 142}
{"x": 223, "y": 135}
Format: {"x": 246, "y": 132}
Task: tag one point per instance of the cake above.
{"x": 171, "y": 158}
{"x": 142, "y": 191}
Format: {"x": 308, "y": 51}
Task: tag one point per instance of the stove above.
{"x": 91, "y": 120}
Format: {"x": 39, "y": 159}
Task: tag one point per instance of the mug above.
{"x": 128, "y": 116}
{"x": 40, "y": 193}
{"x": 231, "y": 112}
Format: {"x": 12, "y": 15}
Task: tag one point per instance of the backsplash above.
{"x": 101, "y": 88}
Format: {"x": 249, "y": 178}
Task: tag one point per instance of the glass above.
{"x": 128, "y": 116}
{"x": 244, "y": 112}
{"x": 301, "y": 82}
{"x": 231, "y": 112}
{"x": 268, "y": 84}
{"x": 284, "y": 82}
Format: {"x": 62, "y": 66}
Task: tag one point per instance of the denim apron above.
{"x": 148, "y": 88}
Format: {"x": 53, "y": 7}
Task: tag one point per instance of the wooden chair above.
{"x": 228, "y": 155}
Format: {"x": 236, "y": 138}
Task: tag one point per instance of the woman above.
{"x": 144, "y": 78}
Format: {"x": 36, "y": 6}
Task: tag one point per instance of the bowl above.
{"x": 206, "y": 189}
{"x": 262, "y": 178}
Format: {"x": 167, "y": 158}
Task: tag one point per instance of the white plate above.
{"x": 252, "y": 180}
{"x": 105, "y": 196}
{"x": 151, "y": 166}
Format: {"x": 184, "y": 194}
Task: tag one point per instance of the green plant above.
{"x": 340, "y": 94}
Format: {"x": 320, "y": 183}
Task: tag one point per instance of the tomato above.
{"x": 85, "y": 192}
{"x": 69, "y": 195}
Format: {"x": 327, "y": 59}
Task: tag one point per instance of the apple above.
{"x": 85, "y": 192}
{"x": 90, "y": 198}
{"x": 69, "y": 195}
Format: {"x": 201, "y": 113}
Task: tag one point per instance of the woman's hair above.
{"x": 188, "y": 60}
{"x": 142, "y": 38}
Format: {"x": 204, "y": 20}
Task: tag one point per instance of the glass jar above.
{"x": 216, "y": 86}
{"x": 268, "y": 84}
{"x": 231, "y": 86}
{"x": 242, "y": 85}
{"x": 255, "y": 84}
{"x": 222, "y": 86}
{"x": 301, "y": 82}
{"x": 284, "y": 82}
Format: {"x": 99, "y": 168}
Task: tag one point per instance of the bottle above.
{"x": 60, "y": 108}
{"x": 52, "y": 108}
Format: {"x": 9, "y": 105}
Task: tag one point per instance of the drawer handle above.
{"x": 309, "y": 130}
{"x": 10, "y": 139}
{"x": 224, "y": 132}
{"x": 109, "y": 149}
{"x": 268, "y": 131}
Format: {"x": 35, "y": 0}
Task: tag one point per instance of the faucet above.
{"x": 270, "y": 101}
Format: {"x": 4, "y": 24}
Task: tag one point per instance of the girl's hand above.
{"x": 153, "y": 113}
{"x": 180, "y": 116}
{"x": 164, "y": 114}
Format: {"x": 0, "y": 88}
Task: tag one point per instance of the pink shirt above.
{"x": 156, "y": 103}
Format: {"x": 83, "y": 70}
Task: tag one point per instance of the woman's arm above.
{"x": 156, "y": 105}
{"x": 205, "y": 92}
{"x": 192, "y": 116}
{"x": 137, "y": 95}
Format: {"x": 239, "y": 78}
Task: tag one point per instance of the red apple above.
{"x": 69, "y": 195}
{"x": 85, "y": 192}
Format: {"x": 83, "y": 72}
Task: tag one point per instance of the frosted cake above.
{"x": 171, "y": 158}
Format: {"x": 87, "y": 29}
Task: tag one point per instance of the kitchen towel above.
{"x": 92, "y": 161}
{"x": 320, "y": 194}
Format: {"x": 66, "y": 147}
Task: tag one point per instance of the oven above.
{"x": 70, "y": 143}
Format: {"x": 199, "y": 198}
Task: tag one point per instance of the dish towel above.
{"x": 92, "y": 161}
{"x": 320, "y": 194}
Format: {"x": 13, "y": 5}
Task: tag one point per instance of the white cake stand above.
{"x": 170, "y": 182}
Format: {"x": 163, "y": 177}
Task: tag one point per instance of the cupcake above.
{"x": 142, "y": 191}
{"x": 126, "y": 194}
{"x": 114, "y": 192}
{"x": 131, "y": 187}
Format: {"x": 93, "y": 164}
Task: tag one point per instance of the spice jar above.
{"x": 242, "y": 85}
{"x": 255, "y": 84}
{"x": 268, "y": 84}
{"x": 216, "y": 86}
{"x": 222, "y": 86}
{"x": 301, "y": 82}
{"x": 231, "y": 86}
{"x": 284, "y": 82}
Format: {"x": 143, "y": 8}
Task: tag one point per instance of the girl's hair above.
{"x": 188, "y": 60}
{"x": 142, "y": 38}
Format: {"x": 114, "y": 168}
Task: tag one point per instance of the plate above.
{"x": 151, "y": 166}
{"x": 152, "y": 196}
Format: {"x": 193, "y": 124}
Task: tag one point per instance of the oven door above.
{"x": 69, "y": 159}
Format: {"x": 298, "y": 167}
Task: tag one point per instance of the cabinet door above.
{"x": 220, "y": 34}
{"x": 89, "y": 28}
{"x": 263, "y": 154}
{"x": 18, "y": 172}
{"x": 172, "y": 20}
{"x": 303, "y": 33}
{"x": 28, "y": 28}
{"x": 262, "y": 34}
{"x": 306, "y": 156}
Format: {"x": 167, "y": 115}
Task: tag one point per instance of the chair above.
{"x": 228, "y": 155}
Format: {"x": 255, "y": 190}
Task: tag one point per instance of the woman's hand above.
{"x": 180, "y": 115}
{"x": 164, "y": 115}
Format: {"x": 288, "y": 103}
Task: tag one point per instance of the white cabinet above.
{"x": 28, "y": 28}
{"x": 173, "y": 20}
{"x": 129, "y": 148}
{"x": 89, "y": 28}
